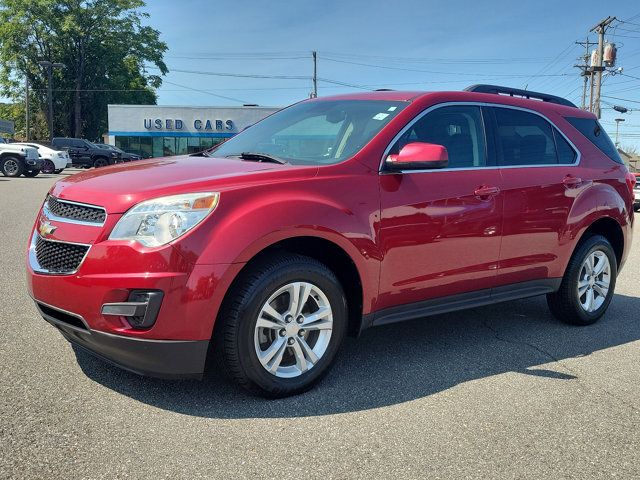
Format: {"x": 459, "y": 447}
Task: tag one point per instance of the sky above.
{"x": 400, "y": 44}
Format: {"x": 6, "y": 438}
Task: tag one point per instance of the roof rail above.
{"x": 481, "y": 88}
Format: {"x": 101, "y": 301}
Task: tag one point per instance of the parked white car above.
{"x": 54, "y": 161}
{"x": 16, "y": 160}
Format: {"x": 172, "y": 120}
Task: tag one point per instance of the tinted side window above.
{"x": 61, "y": 142}
{"x": 458, "y": 128}
{"x": 524, "y": 138}
{"x": 591, "y": 129}
{"x": 566, "y": 153}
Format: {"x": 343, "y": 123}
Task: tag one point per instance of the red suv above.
{"x": 329, "y": 217}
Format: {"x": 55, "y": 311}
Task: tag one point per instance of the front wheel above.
{"x": 100, "y": 162}
{"x": 11, "y": 167}
{"x": 283, "y": 325}
{"x": 588, "y": 283}
{"x": 48, "y": 167}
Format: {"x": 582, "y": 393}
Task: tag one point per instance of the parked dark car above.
{"x": 125, "y": 156}
{"x": 85, "y": 154}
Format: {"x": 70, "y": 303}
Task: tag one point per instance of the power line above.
{"x": 396, "y": 59}
{"x": 206, "y": 92}
{"x": 621, "y": 99}
{"x": 238, "y": 75}
{"x": 431, "y": 71}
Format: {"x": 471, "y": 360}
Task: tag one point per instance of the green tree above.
{"x": 16, "y": 112}
{"x": 103, "y": 45}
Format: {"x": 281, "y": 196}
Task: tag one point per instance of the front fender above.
{"x": 251, "y": 219}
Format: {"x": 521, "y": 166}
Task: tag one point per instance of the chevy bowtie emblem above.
{"x": 46, "y": 229}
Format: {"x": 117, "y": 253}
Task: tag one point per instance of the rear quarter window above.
{"x": 592, "y": 129}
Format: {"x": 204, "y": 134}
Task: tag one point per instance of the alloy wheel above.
{"x": 293, "y": 329}
{"x": 11, "y": 167}
{"x": 594, "y": 281}
{"x": 48, "y": 167}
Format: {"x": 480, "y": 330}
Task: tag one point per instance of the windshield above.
{"x": 314, "y": 133}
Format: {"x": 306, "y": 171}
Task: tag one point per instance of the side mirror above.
{"x": 419, "y": 156}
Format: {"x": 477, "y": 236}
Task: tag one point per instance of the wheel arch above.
{"x": 609, "y": 228}
{"x": 334, "y": 256}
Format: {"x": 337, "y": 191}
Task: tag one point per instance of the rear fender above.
{"x": 596, "y": 201}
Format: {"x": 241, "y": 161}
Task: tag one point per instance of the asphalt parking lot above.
{"x": 498, "y": 392}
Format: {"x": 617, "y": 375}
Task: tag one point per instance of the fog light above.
{"x": 140, "y": 310}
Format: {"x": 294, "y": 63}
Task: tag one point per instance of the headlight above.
{"x": 159, "y": 221}
{"x": 114, "y": 154}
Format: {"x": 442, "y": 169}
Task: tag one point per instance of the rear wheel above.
{"x": 588, "y": 284}
{"x": 11, "y": 167}
{"x": 31, "y": 173}
{"x": 283, "y": 326}
{"x": 100, "y": 162}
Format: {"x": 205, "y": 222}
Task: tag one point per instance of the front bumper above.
{"x": 110, "y": 274}
{"x": 155, "y": 358}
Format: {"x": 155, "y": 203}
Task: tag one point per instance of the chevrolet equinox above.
{"x": 326, "y": 218}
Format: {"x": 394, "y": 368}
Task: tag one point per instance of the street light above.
{"x": 50, "y": 66}
{"x": 618, "y": 120}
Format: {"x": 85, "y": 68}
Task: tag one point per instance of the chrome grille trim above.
{"x": 33, "y": 259}
{"x": 46, "y": 208}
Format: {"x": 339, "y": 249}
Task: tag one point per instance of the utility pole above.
{"x": 314, "y": 94}
{"x": 600, "y": 29}
{"x": 585, "y": 72}
{"x": 26, "y": 108}
{"x": 50, "y": 66}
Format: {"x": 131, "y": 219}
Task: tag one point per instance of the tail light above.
{"x": 631, "y": 181}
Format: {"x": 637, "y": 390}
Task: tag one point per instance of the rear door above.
{"x": 540, "y": 179}
{"x": 440, "y": 229}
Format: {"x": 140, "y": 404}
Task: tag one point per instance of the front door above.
{"x": 440, "y": 230}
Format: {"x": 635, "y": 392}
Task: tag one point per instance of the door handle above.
{"x": 485, "y": 192}
{"x": 571, "y": 182}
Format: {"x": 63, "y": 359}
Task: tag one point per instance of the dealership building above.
{"x": 158, "y": 130}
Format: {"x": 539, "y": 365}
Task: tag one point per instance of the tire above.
{"x": 11, "y": 166}
{"x": 239, "y": 339}
{"x": 58, "y": 171}
{"x": 48, "y": 167}
{"x": 636, "y": 208}
{"x": 100, "y": 162}
{"x": 567, "y": 304}
{"x": 31, "y": 173}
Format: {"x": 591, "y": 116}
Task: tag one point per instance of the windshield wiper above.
{"x": 259, "y": 157}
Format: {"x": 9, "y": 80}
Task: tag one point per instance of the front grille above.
{"x": 59, "y": 257}
{"x": 76, "y": 211}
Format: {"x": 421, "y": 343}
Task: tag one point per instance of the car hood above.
{"x": 118, "y": 187}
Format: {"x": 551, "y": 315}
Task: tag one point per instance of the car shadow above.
{"x": 401, "y": 362}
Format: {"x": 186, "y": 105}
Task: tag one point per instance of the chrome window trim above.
{"x": 52, "y": 216}
{"x": 33, "y": 260}
{"x": 382, "y": 171}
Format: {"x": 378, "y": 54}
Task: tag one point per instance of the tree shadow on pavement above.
{"x": 400, "y": 362}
